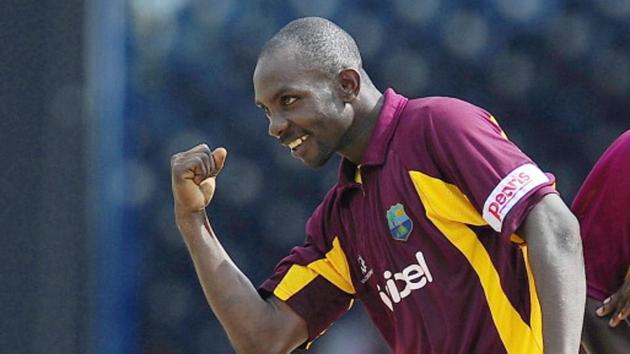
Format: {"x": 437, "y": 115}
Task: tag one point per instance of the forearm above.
{"x": 245, "y": 316}
{"x": 561, "y": 290}
{"x": 555, "y": 255}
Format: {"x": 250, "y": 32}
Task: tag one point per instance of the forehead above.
{"x": 283, "y": 69}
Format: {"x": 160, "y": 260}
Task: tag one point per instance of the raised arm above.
{"x": 253, "y": 324}
{"x": 555, "y": 253}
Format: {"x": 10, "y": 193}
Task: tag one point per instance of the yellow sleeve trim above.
{"x": 296, "y": 278}
{"x": 334, "y": 268}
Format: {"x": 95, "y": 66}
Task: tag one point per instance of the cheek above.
{"x": 344, "y": 117}
{"x": 336, "y": 124}
{"x": 340, "y": 113}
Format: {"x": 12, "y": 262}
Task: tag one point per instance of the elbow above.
{"x": 553, "y": 229}
{"x": 267, "y": 346}
{"x": 264, "y": 340}
{"x": 567, "y": 235}
{"x": 565, "y": 240}
{"x": 275, "y": 330}
{"x": 253, "y": 350}
{"x": 254, "y": 347}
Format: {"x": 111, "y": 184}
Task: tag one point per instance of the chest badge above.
{"x": 400, "y": 225}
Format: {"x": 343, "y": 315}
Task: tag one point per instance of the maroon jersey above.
{"x": 422, "y": 232}
{"x": 602, "y": 206}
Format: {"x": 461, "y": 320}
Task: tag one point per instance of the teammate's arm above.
{"x": 555, "y": 254}
{"x": 253, "y": 324}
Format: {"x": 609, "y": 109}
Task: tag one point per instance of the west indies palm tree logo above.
{"x": 400, "y": 225}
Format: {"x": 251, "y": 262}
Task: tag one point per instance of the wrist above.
{"x": 187, "y": 220}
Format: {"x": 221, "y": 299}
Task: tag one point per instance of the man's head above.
{"x": 306, "y": 80}
{"x": 321, "y": 45}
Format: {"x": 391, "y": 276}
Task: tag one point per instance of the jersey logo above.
{"x": 400, "y": 225}
{"x": 400, "y": 285}
{"x": 364, "y": 270}
{"x": 510, "y": 191}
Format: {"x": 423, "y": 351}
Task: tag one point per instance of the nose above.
{"x": 277, "y": 126}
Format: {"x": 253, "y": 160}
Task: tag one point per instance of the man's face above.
{"x": 303, "y": 107}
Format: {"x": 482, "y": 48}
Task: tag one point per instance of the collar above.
{"x": 384, "y": 128}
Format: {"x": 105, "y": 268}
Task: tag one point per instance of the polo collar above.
{"x": 382, "y": 134}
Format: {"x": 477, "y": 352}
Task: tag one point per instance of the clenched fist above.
{"x": 193, "y": 176}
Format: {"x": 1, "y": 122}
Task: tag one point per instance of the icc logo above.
{"x": 400, "y": 225}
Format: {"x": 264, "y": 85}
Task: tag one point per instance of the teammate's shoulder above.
{"x": 623, "y": 140}
{"x": 619, "y": 150}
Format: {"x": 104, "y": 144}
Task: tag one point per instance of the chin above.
{"x": 319, "y": 160}
{"x": 315, "y": 163}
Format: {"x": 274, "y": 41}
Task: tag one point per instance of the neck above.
{"x": 366, "y": 110}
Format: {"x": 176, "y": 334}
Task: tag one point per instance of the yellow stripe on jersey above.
{"x": 296, "y": 278}
{"x": 535, "y": 316}
{"x": 494, "y": 120}
{"x": 450, "y": 211}
{"x": 334, "y": 268}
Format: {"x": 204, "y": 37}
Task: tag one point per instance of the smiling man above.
{"x": 451, "y": 237}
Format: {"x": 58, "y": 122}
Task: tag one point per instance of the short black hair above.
{"x": 320, "y": 43}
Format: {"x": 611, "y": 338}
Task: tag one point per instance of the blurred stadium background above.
{"x": 96, "y": 95}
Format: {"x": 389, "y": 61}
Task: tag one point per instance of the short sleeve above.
{"x": 475, "y": 154}
{"x": 314, "y": 279}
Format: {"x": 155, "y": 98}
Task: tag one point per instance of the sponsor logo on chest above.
{"x": 399, "y": 285}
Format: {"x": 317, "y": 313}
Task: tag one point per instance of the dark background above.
{"x": 96, "y": 95}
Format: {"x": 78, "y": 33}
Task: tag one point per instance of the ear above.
{"x": 349, "y": 84}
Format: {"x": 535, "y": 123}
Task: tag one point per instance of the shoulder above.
{"x": 442, "y": 113}
{"x": 433, "y": 119}
{"x": 441, "y": 107}
{"x": 620, "y": 147}
{"x": 615, "y": 161}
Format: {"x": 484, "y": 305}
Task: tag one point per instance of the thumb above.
{"x": 219, "y": 155}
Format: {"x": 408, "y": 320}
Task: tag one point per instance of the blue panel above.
{"x": 113, "y": 252}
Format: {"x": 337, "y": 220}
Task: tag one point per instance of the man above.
{"x": 450, "y": 236}
{"x": 602, "y": 206}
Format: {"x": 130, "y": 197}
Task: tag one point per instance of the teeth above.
{"x": 297, "y": 142}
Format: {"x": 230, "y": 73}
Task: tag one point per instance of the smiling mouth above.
{"x": 297, "y": 142}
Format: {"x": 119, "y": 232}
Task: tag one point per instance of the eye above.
{"x": 288, "y": 100}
